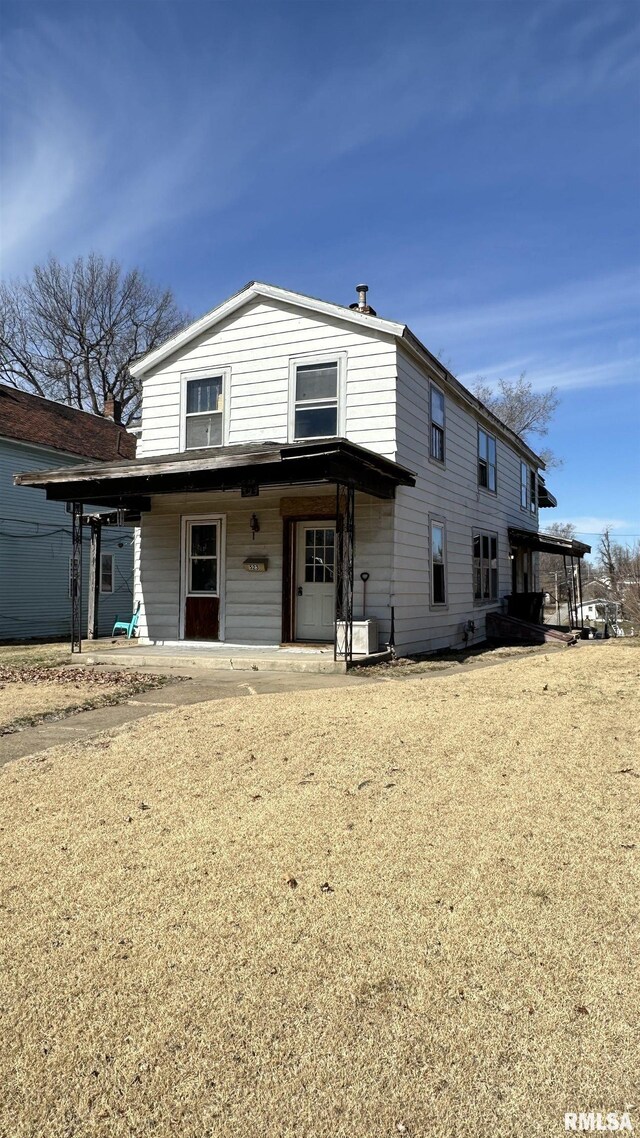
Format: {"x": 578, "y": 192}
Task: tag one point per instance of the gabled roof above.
{"x": 253, "y": 291}
{"x": 42, "y": 422}
{"x": 400, "y": 332}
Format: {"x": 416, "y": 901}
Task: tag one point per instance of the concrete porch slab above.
{"x": 222, "y": 657}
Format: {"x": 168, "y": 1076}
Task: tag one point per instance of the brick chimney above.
{"x": 112, "y": 407}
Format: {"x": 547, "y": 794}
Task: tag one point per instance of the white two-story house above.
{"x": 305, "y": 466}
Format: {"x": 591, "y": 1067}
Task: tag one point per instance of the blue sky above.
{"x": 477, "y": 164}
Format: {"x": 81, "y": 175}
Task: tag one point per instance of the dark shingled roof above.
{"x": 31, "y": 419}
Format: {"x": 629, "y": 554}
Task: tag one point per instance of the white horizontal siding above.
{"x": 256, "y": 344}
{"x": 449, "y": 492}
{"x": 252, "y": 601}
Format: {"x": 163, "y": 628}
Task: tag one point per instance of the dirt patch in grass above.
{"x": 332, "y": 914}
{"x": 29, "y": 695}
{"x": 404, "y": 666}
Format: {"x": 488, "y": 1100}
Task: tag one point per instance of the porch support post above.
{"x": 568, "y": 588}
{"x": 574, "y": 593}
{"x": 345, "y": 535}
{"x": 94, "y": 579}
{"x": 580, "y": 592}
{"x": 76, "y": 578}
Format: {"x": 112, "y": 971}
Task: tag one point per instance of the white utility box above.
{"x": 365, "y": 637}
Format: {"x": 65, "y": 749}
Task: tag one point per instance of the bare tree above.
{"x": 71, "y": 332}
{"x": 525, "y": 411}
{"x": 619, "y": 566}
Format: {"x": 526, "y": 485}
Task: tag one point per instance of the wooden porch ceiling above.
{"x": 245, "y": 468}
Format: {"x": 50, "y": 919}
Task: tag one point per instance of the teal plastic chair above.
{"x": 128, "y": 626}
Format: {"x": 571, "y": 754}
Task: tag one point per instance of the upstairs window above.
{"x": 436, "y": 415}
{"x": 487, "y": 474}
{"x": 203, "y": 416}
{"x": 524, "y": 486}
{"x": 438, "y": 565}
{"x": 106, "y": 572}
{"x": 485, "y": 567}
{"x": 528, "y": 488}
{"x": 316, "y": 401}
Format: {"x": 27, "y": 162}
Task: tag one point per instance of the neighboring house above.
{"x": 291, "y": 447}
{"x": 600, "y": 609}
{"x": 35, "y": 534}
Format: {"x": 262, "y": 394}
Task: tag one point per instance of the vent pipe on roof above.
{"x": 362, "y": 306}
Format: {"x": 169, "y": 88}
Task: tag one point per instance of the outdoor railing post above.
{"x": 345, "y": 538}
{"x": 76, "y": 578}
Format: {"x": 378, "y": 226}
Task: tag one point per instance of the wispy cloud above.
{"x": 564, "y": 376}
{"x": 582, "y": 334}
{"x": 608, "y": 299}
{"x": 112, "y": 135}
{"x": 592, "y": 525}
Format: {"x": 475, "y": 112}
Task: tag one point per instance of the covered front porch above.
{"x": 527, "y": 603}
{"x": 254, "y": 547}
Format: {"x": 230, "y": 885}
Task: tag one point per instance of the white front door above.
{"x": 315, "y": 580}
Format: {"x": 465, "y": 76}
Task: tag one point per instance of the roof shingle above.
{"x": 32, "y": 419}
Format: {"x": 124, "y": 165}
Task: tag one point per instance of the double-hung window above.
{"x": 438, "y": 565}
{"x": 528, "y": 488}
{"x": 487, "y": 472}
{"x": 106, "y": 572}
{"x": 436, "y": 416}
{"x": 315, "y": 400}
{"x": 485, "y": 566}
{"x": 204, "y": 412}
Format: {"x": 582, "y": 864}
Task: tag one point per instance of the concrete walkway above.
{"x": 197, "y": 687}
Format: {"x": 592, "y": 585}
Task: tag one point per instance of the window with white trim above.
{"x": 316, "y": 400}
{"x": 436, "y": 417}
{"x": 438, "y": 565}
{"x": 528, "y": 488}
{"x": 203, "y": 412}
{"x": 485, "y": 566}
{"x": 487, "y": 463}
{"x": 106, "y": 572}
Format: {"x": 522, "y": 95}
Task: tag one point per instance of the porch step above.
{"x": 214, "y": 661}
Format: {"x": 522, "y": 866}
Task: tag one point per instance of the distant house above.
{"x": 35, "y": 534}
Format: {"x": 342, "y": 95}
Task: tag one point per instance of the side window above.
{"x": 436, "y": 417}
{"x": 316, "y": 400}
{"x": 487, "y": 467}
{"x": 438, "y": 565}
{"x": 203, "y": 412}
{"x": 106, "y": 572}
{"x": 524, "y": 486}
{"x": 528, "y": 488}
{"x": 485, "y": 566}
{"x": 533, "y": 491}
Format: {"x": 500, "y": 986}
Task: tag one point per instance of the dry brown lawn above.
{"x": 25, "y": 702}
{"x": 31, "y": 693}
{"x": 402, "y": 908}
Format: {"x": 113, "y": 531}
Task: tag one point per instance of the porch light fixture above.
{"x": 255, "y": 526}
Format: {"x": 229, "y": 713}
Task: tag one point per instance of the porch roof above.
{"x": 245, "y": 467}
{"x": 548, "y": 542}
